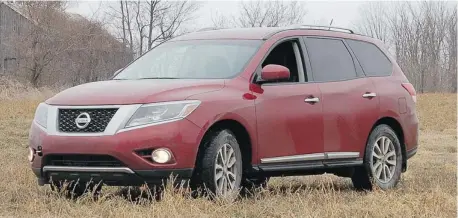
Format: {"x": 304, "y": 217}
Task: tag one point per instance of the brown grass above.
{"x": 428, "y": 189}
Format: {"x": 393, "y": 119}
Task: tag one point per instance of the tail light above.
{"x": 409, "y": 87}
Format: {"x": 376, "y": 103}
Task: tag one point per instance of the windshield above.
{"x": 194, "y": 59}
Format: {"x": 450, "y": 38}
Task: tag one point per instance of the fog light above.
{"x": 161, "y": 155}
{"x": 31, "y": 155}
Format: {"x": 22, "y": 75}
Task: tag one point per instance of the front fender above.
{"x": 226, "y": 104}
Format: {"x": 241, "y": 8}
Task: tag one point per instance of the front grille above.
{"x": 82, "y": 160}
{"x": 99, "y": 119}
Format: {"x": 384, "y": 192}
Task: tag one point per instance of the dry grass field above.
{"x": 428, "y": 189}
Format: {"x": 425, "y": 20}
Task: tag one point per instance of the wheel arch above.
{"x": 397, "y": 128}
{"x": 241, "y": 134}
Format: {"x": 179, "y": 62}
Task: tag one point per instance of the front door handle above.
{"x": 312, "y": 100}
{"x": 369, "y": 95}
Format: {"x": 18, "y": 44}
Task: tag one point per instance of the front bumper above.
{"x": 181, "y": 137}
{"x": 115, "y": 176}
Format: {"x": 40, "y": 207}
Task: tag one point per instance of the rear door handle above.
{"x": 312, "y": 100}
{"x": 369, "y": 95}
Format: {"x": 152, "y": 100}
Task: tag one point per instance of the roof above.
{"x": 261, "y": 33}
{"x": 14, "y": 8}
{"x": 236, "y": 33}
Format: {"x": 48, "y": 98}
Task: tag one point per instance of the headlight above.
{"x": 160, "y": 112}
{"x": 41, "y": 115}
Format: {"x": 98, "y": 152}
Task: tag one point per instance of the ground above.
{"x": 427, "y": 189}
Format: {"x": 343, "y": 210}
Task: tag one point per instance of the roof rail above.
{"x": 317, "y": 27}
{"x": 208, "y": 28}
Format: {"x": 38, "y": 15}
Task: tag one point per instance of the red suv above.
{"x": 231, "y": 108}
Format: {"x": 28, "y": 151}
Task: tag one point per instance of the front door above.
{"x": 286, "y": 124}
{"x": 289, "y": 118}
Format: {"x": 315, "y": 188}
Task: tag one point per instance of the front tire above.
{"x": 220, "y": 170}
{"x": 382, "y": 161}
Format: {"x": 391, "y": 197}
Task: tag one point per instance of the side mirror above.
{"x": 274, "y": 72}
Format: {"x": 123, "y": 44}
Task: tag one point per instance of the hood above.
{"x": 134, "y": 91}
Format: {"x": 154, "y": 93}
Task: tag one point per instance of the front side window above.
{"x": 194, "y": 59}
{"x": 330, "y": 60}
{"x": 372, "y": 60}
{"x": 287, "y": 54}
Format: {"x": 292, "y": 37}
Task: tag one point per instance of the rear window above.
{"x": 330, "y": 60}
{"x": 371, "y": 58}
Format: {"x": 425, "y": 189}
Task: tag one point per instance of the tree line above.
{"x": 70, "y": 50}
{"x": 142, "y": 24}
{"x": 421, "y": 35}
{"x": 55, "y": 48}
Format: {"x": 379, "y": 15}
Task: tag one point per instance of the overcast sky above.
{"x": 317, "y": 12}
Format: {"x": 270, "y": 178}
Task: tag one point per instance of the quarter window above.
{"x": 330, "y": 60}
{"x": 372, "y": 60}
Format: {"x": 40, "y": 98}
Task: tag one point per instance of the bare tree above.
{"x": 150, "y": 22}
{"x": 374, "y": 21}
{"x": 423, "y": 37}
{"x": 264, "y": 14}
{"x": 451, "y": 38}
{"x": 47, "y": 36}
{"x": 59, "y": 48}
{"x": 128, "y": 21}
{"x": 140, "y": 24}
{"x": 220, "y": 21}
{"x": 123, "y": 18}
{"x": 178, "y": 13}
{"x": 153, "y": 14}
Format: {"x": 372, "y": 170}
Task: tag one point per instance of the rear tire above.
{"x": 382, "y": 161}
{"x": 220, "y": 169}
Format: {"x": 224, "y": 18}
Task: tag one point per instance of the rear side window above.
{"x": 330, "y": 60}
{"x": 371, "y": 58}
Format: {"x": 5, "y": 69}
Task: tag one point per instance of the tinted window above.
{"x": 193, "y": 59}
{"x": 372, "y": 60}
{"x": 330, "y": 60}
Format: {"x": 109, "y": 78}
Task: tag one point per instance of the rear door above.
{"x": 350, "y": 106}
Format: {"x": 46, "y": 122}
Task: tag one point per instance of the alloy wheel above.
{"x": 384, "y": 162}
{"x": 225, "y": 170}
